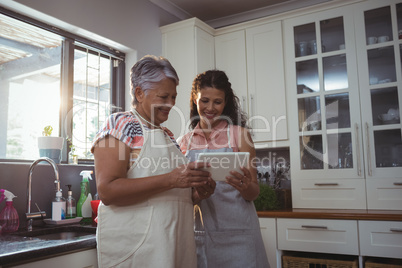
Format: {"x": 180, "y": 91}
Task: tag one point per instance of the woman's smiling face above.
{"x": 210, "y": 104}
{"x": 156, "y": 103}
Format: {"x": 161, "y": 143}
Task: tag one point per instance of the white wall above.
{"x": 131, "y": 26}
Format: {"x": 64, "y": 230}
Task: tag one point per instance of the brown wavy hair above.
{"x": 219, "y": 80}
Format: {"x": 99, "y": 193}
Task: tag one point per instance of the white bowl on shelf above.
{"x": 394, "y": 113}
{"x": 388, "y": 118}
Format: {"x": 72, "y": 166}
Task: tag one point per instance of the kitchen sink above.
{"x": 60, "y": 233}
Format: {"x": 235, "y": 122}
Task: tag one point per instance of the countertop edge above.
{"x": 380, "y": 215}
{"x": 46, "y": 252}
{"x": 15, "y": 249}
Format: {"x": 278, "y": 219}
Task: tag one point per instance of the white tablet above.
{"x": 223, "y": 163}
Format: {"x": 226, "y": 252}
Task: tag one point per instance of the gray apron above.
{"x": 227, "y": 230}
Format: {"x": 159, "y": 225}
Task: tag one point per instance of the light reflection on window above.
{"x": 29, "y": 87}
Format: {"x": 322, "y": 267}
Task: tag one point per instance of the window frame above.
{"x": 70, "y": 43}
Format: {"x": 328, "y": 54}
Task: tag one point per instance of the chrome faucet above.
{"x": 36, "y": 215}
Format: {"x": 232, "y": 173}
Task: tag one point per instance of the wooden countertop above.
{"x": 351, "y": 214}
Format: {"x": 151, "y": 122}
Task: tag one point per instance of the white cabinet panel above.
{"x": 189, "y": 46}
{"x": 230, "y": 57}
{"x": 323, "y": 193}
{"x": 326, "y": 236}
{"x": 381, "y": 238}
{"x": 81, "y": 259}
{"x": 384, "y": 193}
{"x": 266, "y": 82}
{"x": 253, "y": 60}
{"x": 268, "y": 232}
{"x": 205, "y": 49}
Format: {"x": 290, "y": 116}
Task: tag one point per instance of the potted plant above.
{"x": 267, "y": 199}
{"x": 50, "y": 146}
{"x": 72, "y": 155}
{"x": 280, "y": 172}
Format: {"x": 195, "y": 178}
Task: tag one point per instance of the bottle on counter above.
{"x": 9, "y": 221}
{"x": 84, "y": 209}
{"x": 71, "y": 205}
{"x": 94, "y": 205}
{"x": 58, "y": 207}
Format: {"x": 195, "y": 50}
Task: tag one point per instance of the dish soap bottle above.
{"x": 84, "y": 209}
{"x": 58, "y": 207}
{"x": 71, "y": 207}
{"x": 9, "y": 221}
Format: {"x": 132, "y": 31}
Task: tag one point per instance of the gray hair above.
{"x": 148, "y": 71}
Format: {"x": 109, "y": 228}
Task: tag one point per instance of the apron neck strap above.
{"x": 192, "y": 134}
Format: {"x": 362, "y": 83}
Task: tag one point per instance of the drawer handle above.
{"x": 396, "y": 230}
{"x": 314, "y": 227}
{"x": 398, "y": 183}
{"x": 327, "y": 184}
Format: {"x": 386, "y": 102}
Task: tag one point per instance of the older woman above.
{"x": 145, "y": 183}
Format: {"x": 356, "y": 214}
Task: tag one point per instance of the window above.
{"x": 50, "y": 77}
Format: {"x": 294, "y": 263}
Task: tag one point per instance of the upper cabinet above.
{"x": 230, "y": 56}
{"x": 340, "y": 113}
{"x": 189, "y": 46}
{"x": 379, "y": 43}
{"x": 344, "y": 82}
{"x": 253, "y": 60}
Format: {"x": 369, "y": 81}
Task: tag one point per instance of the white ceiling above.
{"x": 219, "y": 13}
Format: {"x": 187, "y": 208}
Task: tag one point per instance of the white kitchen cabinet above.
{"x": 81, "y": 259}
{"x": 230, "y": 57}
{"x": 354, "y": 237}
{"x": 380, "y": 79}
{"x": 314, "y": 193}
{"x": 253, "y": 60}
{"x": 189, "y": 46}
{"x": 322, "y": 95}
{"x": 268, "y": 232}
{"x": 338, "y": 147}
{"x": 381, "y": 239}
{"x": 266, "y": 82}
{"x": 316, "y": 235}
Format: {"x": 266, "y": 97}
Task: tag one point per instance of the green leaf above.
{"x": 267, "y": 199}
{"x": 47, "y": 131}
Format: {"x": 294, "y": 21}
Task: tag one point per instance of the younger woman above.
{"x": 227, "y": 228}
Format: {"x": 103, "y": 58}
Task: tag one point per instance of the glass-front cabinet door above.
{"x": 325, "y": 90}
{"x": 324, "y": 111}
{"x": 381, "y": 86}
{"x": 380, "y": 76}
{"x": 344, "y": 88}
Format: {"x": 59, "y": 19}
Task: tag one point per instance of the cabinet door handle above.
{"x": 359, "y": 165}
{"x": 370, "y": 169}
{"x": 314, "y": 227}
{"x": 326, "y": 184}
{"x": 252, "y": 105}
{"x": 398, "y": 183}
{"x": 244, "y": 100}
{"x": 396, "y": 230}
